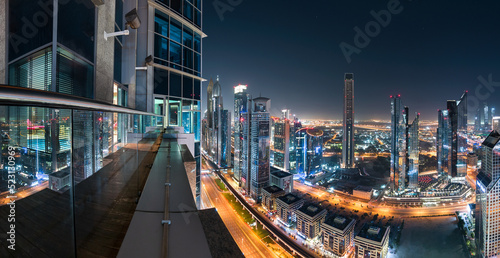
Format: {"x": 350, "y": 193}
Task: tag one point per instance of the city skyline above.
{"x": 424, "y": 48}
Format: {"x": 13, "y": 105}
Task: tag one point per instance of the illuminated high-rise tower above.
{"x": 404, "y": 147}
{"x": 240, "y": 106}
{"x": 487, "y": 199}
{"x": 452, "y": 139}
{"x": 348, "y": 139}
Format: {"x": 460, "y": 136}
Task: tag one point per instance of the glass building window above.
{"x": 22, "y": 43}
{"x": 188, "y": 10}
{"x": 197, "y": 42}
{"x": 187, "y": 87}
{"x": 197, "y": 18}
{"x": 161, "y": 47}
{"x": 161, "y": 23}
{"x": 119, "y": 14}
{"x": 75, "y": 29}
{"x": 175, "y": 85}
{"x": 187, "y": 60}
{"x": 174, "y": 111}
{"x": 74, "y": 76}
{"x": 176, "y": 5}
{"x": 176, "y": 31}
{"x": 117, "y": 68}
{"x": 175, "y": 54}
{"x": 197, "y": 125}
{"x": 160, "y": 81}
{"x": 159, "y": 109}
{"x": 187, "y": 37}
{"x": 33, "y": 71}
{"x": 197, "y": 63}
{"x": 197, "y": 89}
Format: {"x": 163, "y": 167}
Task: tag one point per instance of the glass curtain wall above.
{"x": 65, "y": 174}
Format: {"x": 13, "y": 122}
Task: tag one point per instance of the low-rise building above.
{"x": 372, "y": 242}
{"x": 282, "y": 179}
{"x": 309, "y": 219}
{"x": 286, "y": 206}
{"x": 338, "y": 234}
{"x": 269, "y": 195}
{"x": 363, "y": 192}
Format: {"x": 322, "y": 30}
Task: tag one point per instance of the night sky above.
{"x": 429, "y": 52}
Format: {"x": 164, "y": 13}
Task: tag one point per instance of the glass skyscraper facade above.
{"x": 452, "y": 139}
{"x": 314, "y": 155}
{"x": 487, "y": 211}
{"x": 404, "y": 147}
{"x": 217, "y": 127}
{"x": 260, "y": 151}
{"x": 241, "y": 99}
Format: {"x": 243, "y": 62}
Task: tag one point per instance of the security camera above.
{"x": 133, "y": 19}
{"x": 133, "y": 22}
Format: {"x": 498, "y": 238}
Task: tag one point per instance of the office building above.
{"x": 348, "y": 146}
{"x": 372, "y": 241}
{"x": 269, "y": 195}
{"x": 483, "y": 121}
{"x": 241, "y": 98}
{"x": 413, "y": 152}
{"x": 256, "y": 147}
{"x": 309, "y": 219}
{"x": 218, "y": 131}
{"x": 281, "y": 149}
{"x": 338, "y": 234}
{"x": 404, "y": 147}
{"x": 487, "y": 213}
{"x": 286, "y": 206}
{"x": 452, "y": 139}
{"x": 300, "y": 148}
{"x": 282, "y": 179}
{"x": 314, "y": 153}
{"x": 284, "y": 147}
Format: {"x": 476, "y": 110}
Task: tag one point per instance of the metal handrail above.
{"x": 19, "y": 96}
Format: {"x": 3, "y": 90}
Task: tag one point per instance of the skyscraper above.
{"x": 483, "y": 118}
{"x": 452, "y": 139}
{"x": 397, "y": 140}
{"x": 300, "y": 147}
{"x": 348, "y": 125}
{"x": 260, "y": 146}
{"x": 413, "y": 151}
{"x": 218, "y": 131}
{"x": 284, "y": 149}
{"x": 487, "y": 199}
{"x": 442, "y": 146}
{"x": 404, "y": 147}
{"x": 282, "y": 144}
{"x": 314, "y": 155}
{"x": 240, "y": 106}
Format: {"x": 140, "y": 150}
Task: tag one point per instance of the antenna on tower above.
{"x": 217, "y": 77}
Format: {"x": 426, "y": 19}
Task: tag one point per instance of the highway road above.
{"x": 247, "y": 240}
{"x": 363, "y": 207}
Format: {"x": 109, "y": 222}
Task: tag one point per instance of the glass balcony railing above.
{"x": 70, "y": 172}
